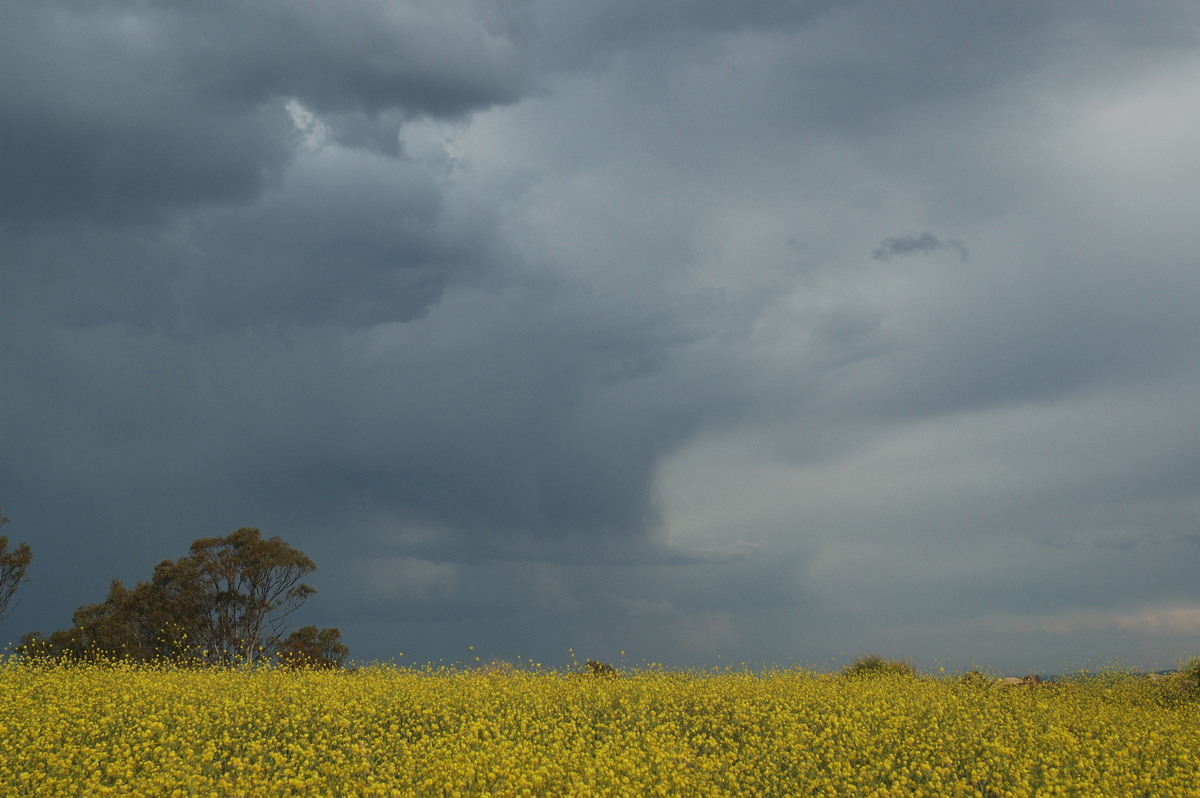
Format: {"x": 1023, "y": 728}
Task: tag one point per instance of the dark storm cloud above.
{"x": 578, "y": 32}
{"x": 354, "y": 242}
{"x": 347, "y": 239}
{"x": 118, "y": 112}
{"x": 918, "y": 244}
{"x": 178, "y": 119}
{"x": 186, "y": 190}
{"x": 540, "y": 324}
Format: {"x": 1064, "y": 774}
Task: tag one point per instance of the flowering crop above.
{"x": 386, "y": 731}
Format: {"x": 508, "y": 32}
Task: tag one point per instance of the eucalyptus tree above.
{"x": 13, "y": 565}
{"x": 225, "y": 603}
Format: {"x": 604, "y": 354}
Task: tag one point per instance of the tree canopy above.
{"x": 310, "y": 647}
{"x": 13, "y": 565}
{"x": 226, "y": 602}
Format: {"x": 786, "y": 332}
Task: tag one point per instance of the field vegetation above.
{"x": 187, "y": 685}
{"x": 126, "y": 728}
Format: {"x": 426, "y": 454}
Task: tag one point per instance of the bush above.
{"x": 1190, "y": 673}
{"x": 875, "y": 665}
{"x": 975, "y": 678}
{"x": 310, "y": 647}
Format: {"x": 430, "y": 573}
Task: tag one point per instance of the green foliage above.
{"x": 13, "y": 565}
{"x": 1180, "y": 687}
{"x": 310, "y": 647}
{"x": 245, "y": 587}
{"x": 595, "y": 668}
{"x": 975, "y": 679}
{"x": 875, "y": 665}
{"x": 224, "y": 603}
{"x": 1190, "y": 672}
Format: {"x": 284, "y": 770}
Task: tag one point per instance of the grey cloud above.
{"x": 119, "y": 112}
{"x": 680, "y": 612}
{"x": 543, "y": 372}
{"x": 578, "y": 32}
{"x": 497, "y": 447}
{"x": 919, "y": 244}
{"x": 368, "y": 54}
{"x": 1023, "y": 334}
{"x": 372, "y": 245}
{"x": 346, "y": 240}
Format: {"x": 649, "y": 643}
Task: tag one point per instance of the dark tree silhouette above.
{"x": 247, "y": 587}
{"x": 13, "y": 565}
{"x": 310, "y": 647}
{"x": 225, "y": 603}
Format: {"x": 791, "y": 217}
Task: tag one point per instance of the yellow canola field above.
{"x": 386, "y": 731}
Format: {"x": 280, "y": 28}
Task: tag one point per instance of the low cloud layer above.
{"x": 547, "y": 326}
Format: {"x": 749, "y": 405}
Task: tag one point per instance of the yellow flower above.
{"x": 113, "y": 729}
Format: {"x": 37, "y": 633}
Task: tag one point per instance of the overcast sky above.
{"x": 707, "y": 332}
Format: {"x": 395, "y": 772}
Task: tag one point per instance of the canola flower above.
{"x": 113, "y": 729}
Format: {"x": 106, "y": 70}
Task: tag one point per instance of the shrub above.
{"x": 975, "y": 678}
{"x": 1190, "y": 673}
{"x": 595, "y": 668}
{"x": 1181, "y": 686}
{"x": 498, "y": 667}
{"x": 875, "y": 665}
{"x": 310, "y": 647}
